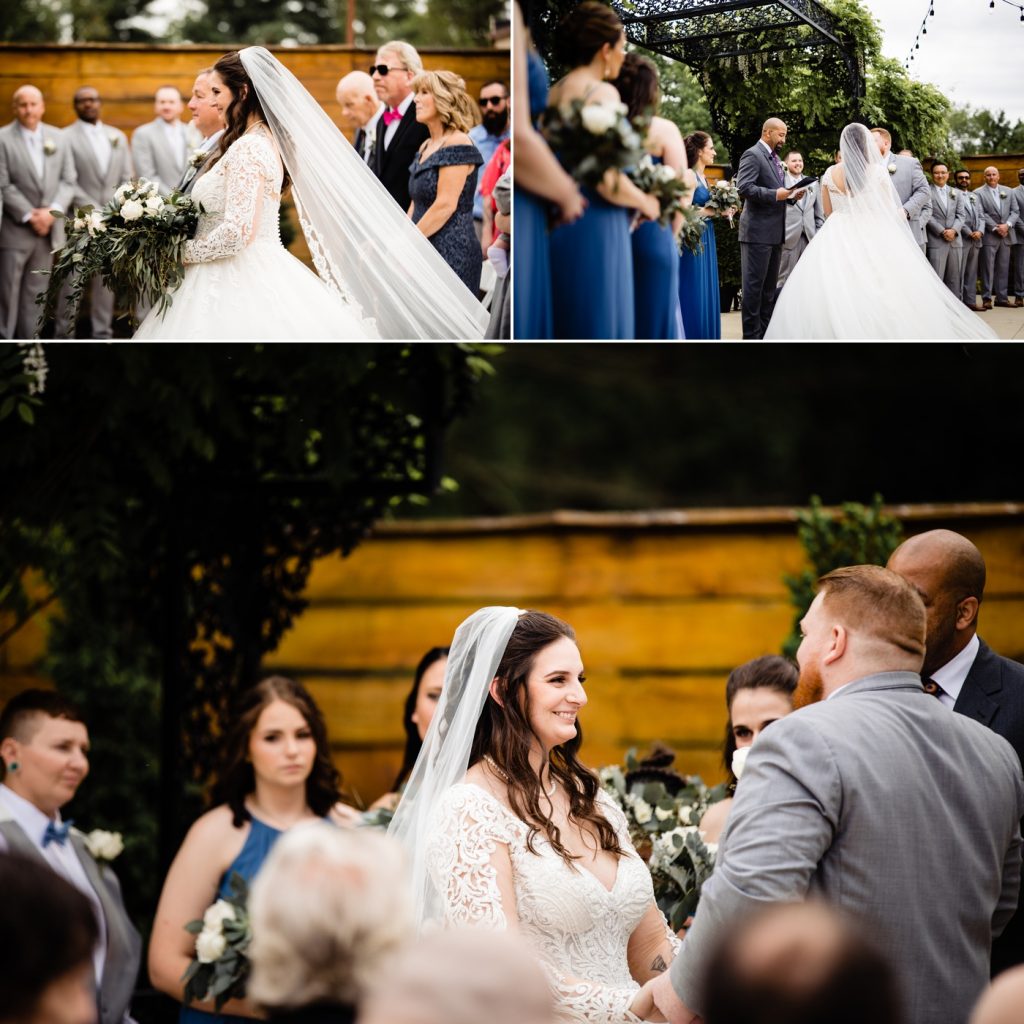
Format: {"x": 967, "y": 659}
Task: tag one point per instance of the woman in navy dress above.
{"x": 278, "y": 773}
{"x": 592, "y": 260}
{"x": 655, "y": 251}
{"x": 698, "y": 273}
{"x": 442, "y": 178}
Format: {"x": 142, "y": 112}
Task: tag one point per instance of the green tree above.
{"x": 973, "y": 131}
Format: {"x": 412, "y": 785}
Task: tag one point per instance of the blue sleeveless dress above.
{"x": 698, "y": 281}
{"x": 656, "y": 281}
{"x": 531, "y": 244}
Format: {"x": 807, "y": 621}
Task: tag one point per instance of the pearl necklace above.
{"x": 503, "y": 775}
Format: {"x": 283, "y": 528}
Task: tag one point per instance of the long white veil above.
{"x": 362, "y": 243}
{"x": 867, "y": 179}
{"x": 473, "y": 659}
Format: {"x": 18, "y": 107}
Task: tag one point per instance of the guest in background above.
{"x": 655, "y": 251}
{"x": 804, "y": 216}
{"x": 945, "y": 223}
{"x": 208, "y": 126}
{"x": 487, "y": 136}
{"x": 1017, "y": 242}
{"x": 973, "y": 232}
{"x": 442, "y": 178}
{"x": 46, "y": 975}
{"x": 698, "y": 272}
{"x": 361, "y": 108}
{"x": 37, "y": 175}
{"x": 399, "y": 134}
{"x": 542, "y": 189}
{"x": 496, "y": 167}
{"x": 592, "y": 259}
{"x": 44, "y": 745}
{"x": 160, "y": 148}
{"x": 329, "y": 910}
{"x": 500, "y": 326}
{"x": 999, "y": 211}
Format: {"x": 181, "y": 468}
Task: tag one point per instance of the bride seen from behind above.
{"x": 863, "y": 274}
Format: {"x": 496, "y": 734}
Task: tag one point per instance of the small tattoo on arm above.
{"x": 659, "y": 964}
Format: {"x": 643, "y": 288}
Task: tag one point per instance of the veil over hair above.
{"x": 476, "y": 652}
{"x": 363, "y": 244}
{"x": 864, "y": 169}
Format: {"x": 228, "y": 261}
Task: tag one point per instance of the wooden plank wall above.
{"x": 664, "y": 605}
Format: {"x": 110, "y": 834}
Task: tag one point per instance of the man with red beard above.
{"x": 874, "y": 799}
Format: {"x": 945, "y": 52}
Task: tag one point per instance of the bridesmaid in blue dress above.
{"x": 278, "y": 773}
{"x": 698, "y": 273}
{"x": 592, "y": 260}
{"x": 655, "y": 252}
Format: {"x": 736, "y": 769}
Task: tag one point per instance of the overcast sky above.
{"x": 971, "y": 52}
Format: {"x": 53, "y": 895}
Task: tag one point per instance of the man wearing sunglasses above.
{"x": 488, "y": 137}
{"x": 399, "y": 134}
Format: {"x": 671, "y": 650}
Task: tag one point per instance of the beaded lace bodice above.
{"x": 241, "y": 199}
{"x": 579, "y": 929}
{"x": 840, "y": 200}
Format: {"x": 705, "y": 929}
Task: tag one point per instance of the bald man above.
{"x": 361, "y": 108}
{"x": 760, "y": 181}
{"x": 37, "y": 176}
{"x": 948, "y": 571}
{"x": 1000, "y": 213}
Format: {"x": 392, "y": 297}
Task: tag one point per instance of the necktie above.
{"x": 390, "y": 116}
{"x": 56, "y": 833}
{"x": 777, "y": 163}
{"x": 931, "y": 687}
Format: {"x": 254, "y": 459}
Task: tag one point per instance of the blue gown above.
{"x": 656, "y": 281}
{"x": 698, "y": 281}
{"x": 531, "y": 245}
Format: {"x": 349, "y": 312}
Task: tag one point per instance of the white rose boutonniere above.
{"x": 49, "y": 147}
{"x": 1002, "y": 195}
{"x": 197, "y": 157}
{"x": 739, "y": 760}
{"x": 892, "y": 168}
{"x": 114, "y": 140}
{"x": 104, "y": 846}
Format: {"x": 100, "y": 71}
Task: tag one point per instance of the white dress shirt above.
{"x": 34, "y": 143}
{"x": 943, "y": 194}
{"x": 952, "y": 675}
{"x": 62, "y": 858}
{"x": 175, "y": 134}
{"x": 370, "y": 130}
{"x": 403, "y": 108}
{"x": 99, "y": 139}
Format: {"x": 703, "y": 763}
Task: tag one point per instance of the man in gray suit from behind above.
{"x": 911, "y": 186}
{"x": 973, "y": 233}
{"x": 875, "y": 799}
{"x": 37, "y": 175}
{"x": 160, "y": 148}
{"x": 945, "y": 244}
{"x": 102, "y": 162}
{"x": 804, "y": 217}
{"x": 762, "y": 225}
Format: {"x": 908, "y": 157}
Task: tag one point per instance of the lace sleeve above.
{"x": 248, "y": 165}
{"x": 470, "y": 861}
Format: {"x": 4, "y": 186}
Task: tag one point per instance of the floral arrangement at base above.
{"x": 221, "y": 967}
{"x": 724, "y": 196}
{"x": 662, "y": 182}
{"x": 663, "y": 810}
{"x": 591, "y": 139}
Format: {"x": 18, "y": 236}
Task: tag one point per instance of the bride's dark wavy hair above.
{"x": 231, "y": 71}
{"x": 504, "y": 732}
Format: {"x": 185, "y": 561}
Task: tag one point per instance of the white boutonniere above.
{"x": 49, "y": 147}
{"x": 1002, "y": 195}
{"x": 104, "y": 846}
{"x": 115, "y": 140}
{"x": 892, "y": 168}
{"x": 197, "y": 157}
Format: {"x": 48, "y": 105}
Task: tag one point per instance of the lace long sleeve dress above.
{"x": 240, "y": 281}
{"x": 578, "y": 929}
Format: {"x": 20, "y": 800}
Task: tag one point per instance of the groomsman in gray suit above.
{"x": 102, "y": 162}
{"x": 759, "y": 181}
{"x": 1017, "y": 240}
{"x": 973, "y": 233}
{"x": 873, "y": 798}
{"x": 945, "y": 244}
{"x": 160, "y": 148}
{"x": 999, "y": 211}
{"x": 362, "y": 109}
{"x": 803, "y": 217}
{"x": 207, "y": 126}
{"x": 911, "y": 186}
{"x": 37, "y": 175}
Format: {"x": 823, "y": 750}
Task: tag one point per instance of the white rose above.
{"x": 642, "y": 811}
{"x": 597, "y": 119}
{"x": 79, "y": 223}
{"x": 132, "y": 210}
{"x": 154, "y": 203}
{"x": 210, "y": 946}
{"x": 665, "y": 173}
{"x": 739, "y": 760}
{"x": 103, "y": 845}
{"x": 122, "y": 192}
{"x": 686, "y": 814}
{"x": 96, "y": 222}
{"x": 722, "y": 184}
{"x": 663, "y": 814}
{"x": 216, "y": 915}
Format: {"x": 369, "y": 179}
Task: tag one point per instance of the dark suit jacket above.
{"x": 391, "y": 165}
{"x": 763, "y": 220}
{"x": 993, "y": 694}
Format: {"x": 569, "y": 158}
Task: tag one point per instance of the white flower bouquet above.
{"x": 591, "y": 139}
{"x": 662, "y": 182}
{"x": 135, "y": 243}
{"x": 221, "y": 967}
{"x": 724, "y": 198}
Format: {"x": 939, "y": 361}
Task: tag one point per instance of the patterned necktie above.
{"x": 57, "y": 833}
{"x": 778, "y": 166}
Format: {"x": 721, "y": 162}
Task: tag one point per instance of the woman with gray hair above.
{"x": 328, "y": 908}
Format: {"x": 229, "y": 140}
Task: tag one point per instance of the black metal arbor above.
{"x": 708, "y": 35}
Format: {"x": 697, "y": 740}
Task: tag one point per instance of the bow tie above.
{"x": 389, "y": 117}
{"x": 56, "y": 833}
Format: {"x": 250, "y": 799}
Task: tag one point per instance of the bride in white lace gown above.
{"x": 506, "y": 829}
{"x": 377, "y": 276}
{"x": 863, "y": 274}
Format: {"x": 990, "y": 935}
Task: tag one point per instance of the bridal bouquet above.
{"x": 135, "y": 243}
{"x": 663, "y": 810}
{"x": 221, "y": 966}
{"x": 591, "y": 139}
{"x": 724, "y": 196}
{"x": 662, "y": 182}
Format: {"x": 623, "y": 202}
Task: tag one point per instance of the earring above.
{"x": 13, "y": 766}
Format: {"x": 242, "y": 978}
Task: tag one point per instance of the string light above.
{"x": 923, "y": 30}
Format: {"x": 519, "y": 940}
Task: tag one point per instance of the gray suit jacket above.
{"x": 154, "y": 158}
{"x": 803, "y": 217}
{"x": 124, "y": 944}
{"x": 1017, "y": 231}
{"x": 912, "y": 188}
{"x": 880, "y": 802}
{"x": 973, "y": 220}
{"x": 952, "y": 217}
{"x": 995, "y": 213}
{"x": 23, "y": 191}
{"x": 94, "y": 188}
{"x": 763, "y": 220}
